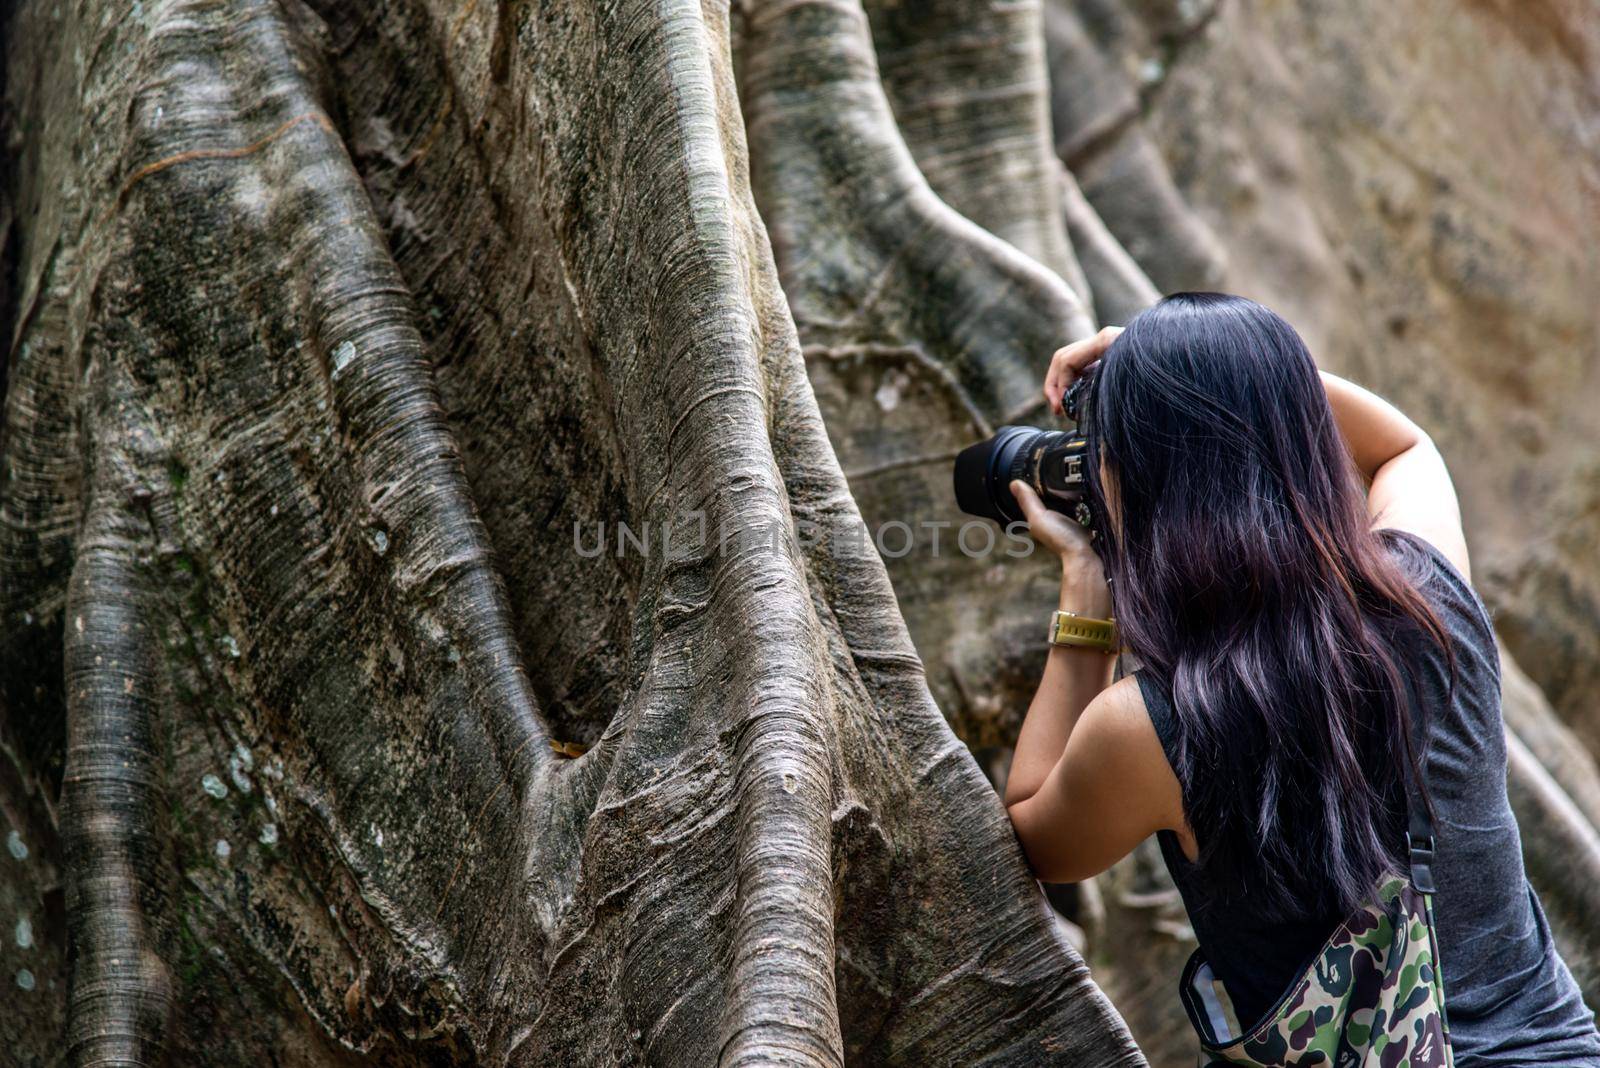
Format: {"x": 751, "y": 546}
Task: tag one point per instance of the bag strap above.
{"x": 1420, "y": 841}
{"x": 1420, "y": 845}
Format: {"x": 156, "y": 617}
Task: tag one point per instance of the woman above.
{"x": 1280, "y": 616}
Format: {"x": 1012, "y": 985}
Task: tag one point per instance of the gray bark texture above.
{"x": 328, "y": 325}
{"x": 342, "y": 721}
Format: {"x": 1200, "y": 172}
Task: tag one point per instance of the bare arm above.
{"x": 1088, "y": 780}
{"x": 1410, "y": 487}
{"x": 1072, "y": 678}
{"x": 1110, "y": 790}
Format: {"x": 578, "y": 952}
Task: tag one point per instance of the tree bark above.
{"x": 331, "y": 328}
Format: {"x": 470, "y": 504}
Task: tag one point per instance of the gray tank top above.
{"x": 1509, "y": 998}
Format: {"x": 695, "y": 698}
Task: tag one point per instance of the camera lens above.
{"x": 984, "y": 472}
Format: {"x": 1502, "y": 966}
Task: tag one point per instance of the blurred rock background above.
{"x": 1414, "y": 186}
{"x": 1417, "y": 187}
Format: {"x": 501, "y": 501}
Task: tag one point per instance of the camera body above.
{"x": 1053, "y": 462}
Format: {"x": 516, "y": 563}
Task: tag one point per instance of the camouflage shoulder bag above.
{"x": 1372, "y": 998}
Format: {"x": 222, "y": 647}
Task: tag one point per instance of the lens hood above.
{"x": 983, "y": 474}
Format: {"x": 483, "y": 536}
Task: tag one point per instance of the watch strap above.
{"x": 1069, "y": 628}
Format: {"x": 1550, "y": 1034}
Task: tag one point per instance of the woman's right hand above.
{"x": 1069, "y": 362}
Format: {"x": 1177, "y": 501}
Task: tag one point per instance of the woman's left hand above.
{"x": 1069, "y": 362}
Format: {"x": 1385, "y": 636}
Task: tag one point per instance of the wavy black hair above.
{"x": 1247, "y": 579}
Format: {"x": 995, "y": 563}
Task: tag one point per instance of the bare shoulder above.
{"x": 1118, "y": 712}
{"x": 1111, "y": 789}
{"x": 1117, "y": 734}
{"x": 1116, "y": 730}
{"x": 1414, "y": 493}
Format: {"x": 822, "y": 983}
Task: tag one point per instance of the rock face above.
{"x": 1414, "y": 186}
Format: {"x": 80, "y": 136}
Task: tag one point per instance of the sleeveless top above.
{"x": 1509, "y": 998}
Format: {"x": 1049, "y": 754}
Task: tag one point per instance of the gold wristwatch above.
{"x": 1069, "y": 628}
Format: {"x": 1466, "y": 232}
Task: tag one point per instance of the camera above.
{"x": 1053, "y": 462}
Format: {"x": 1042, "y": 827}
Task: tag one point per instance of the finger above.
{"x": 1082, "y": 353}
{"x": 1069, "y": 362}
{"x": 1050, "y": 376}
{"x": 1032, "y": 506}
{"x": 1058, "y": 378}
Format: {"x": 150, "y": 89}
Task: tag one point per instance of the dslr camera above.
{"x": 1053, "y": 462}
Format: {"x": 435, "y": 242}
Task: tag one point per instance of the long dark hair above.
{"x": 1248, "y": 581}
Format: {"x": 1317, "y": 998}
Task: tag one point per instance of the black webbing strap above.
{"x": 1420, "y": 842}
{"x": 1420, "y": 845}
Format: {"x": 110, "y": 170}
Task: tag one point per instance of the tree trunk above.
{"x": 339, "y": 335}
{"x": 436, "y": 621}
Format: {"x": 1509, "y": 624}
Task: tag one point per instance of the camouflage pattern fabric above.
{"x": 1373, "y": 998}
